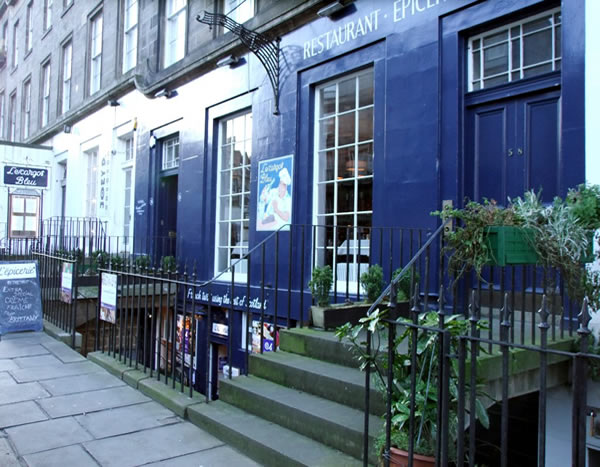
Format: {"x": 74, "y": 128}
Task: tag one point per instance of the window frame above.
{"x": 29, "y": 28}
{"x": 180, "y": 43}
{"x": 45, "y": 94}
{"x": 170, "y": 160}
{"x": 2, "y": 114}
{"x": 320, "y": 187}
{"x": 233, "y": 12}
{"x": 65, "y": 80}
{"x": 477, "y": 84}
{"x": 245, "y": 192}
{"x": 12, "y": 115}
{"x": 91, "y": 188}
{"x": 47, "y": 21}
{"x": 24, "y": 215}
{"x": 26, "y": 98}
{"x": 15, "y": 46}
{"x": 95, "y": 37}
{"x": 129, "y": 31}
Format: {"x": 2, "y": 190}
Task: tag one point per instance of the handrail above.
{"x": 394, "y": 281}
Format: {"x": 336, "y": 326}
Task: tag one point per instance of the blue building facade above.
{"x": 387, "y": 110}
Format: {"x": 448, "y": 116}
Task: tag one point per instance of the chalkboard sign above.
{"x": 20, "y": 299}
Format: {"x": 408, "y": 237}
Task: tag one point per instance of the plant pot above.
{"x": 510, "y": 245}
{"x": 399, "y": 458}
{"x": 333, "y": 316}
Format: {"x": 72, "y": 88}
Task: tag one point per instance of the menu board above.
{"x": 20, "y": 298}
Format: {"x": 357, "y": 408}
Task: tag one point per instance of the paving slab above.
{"x": 92, "y": 401}
{"x": 64, "y": 352}
{"x": 129, "y": 419}
{"x": 6, "y": 365}
{"x": 38, "y": 360}
{"x": 81, "y": 383}
{"x": 22, "y": 392}
{"x": 61, "y": 457}
{"x": 6, "y": 380}
{"x": 8, "y": 349}
{"x": 50, "y": 434}
{"x": 152, "y": 445}
{"x": 7, "y": 455}
{"x": 27, "y": 337}
{"x": 20, "y": 414}
{"x": 24, "y": 375}
{"x": 214, "y": 457}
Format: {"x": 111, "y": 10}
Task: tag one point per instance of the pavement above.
{"x": 59, "y": 409}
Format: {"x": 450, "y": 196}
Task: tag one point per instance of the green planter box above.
{"x": 511, "y": 245}
{"x": 588, "y": 257}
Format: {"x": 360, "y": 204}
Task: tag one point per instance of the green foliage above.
{"x": 116, "y": 262}
{"x": 168, "y": 264}
{"x": 142, "y": 261}
{"x": 320, "y": 284}
{"x": 585, "y": 202}
{"x": 99, "y": 260}
{"x": 405, "y": 284}
{"x": 372, "y": 282}
{"x": 425, "y": 346}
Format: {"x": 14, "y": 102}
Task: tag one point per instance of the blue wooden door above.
{"x": 512, "y": 146}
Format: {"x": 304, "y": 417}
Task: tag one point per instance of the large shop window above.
{"x": 233, "y": 189}
{"x": 24, "y": 216}
{"x": 519, "y": 50}
{"x": 344, "y": 173}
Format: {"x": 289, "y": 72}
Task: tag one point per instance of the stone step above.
{"x": 337, "y": 383}
{"x": 330, "y": 423}
{"x": 318, "y": 344}
{"x": 264, "y": 441}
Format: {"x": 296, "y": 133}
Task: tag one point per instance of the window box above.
{"x": 510, "y": 245}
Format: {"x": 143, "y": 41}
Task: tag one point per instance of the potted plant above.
{"x": 426, "y": 348}
{"x": 329, "y": 316}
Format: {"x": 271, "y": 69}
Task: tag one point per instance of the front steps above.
{"x": 296, "y": 407}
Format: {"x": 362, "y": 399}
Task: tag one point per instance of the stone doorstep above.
{"x": 166, "y": 395}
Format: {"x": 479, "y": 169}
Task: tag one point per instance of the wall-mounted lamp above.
{"x": 67, "y": 128}
{"x": 230, "y": 60}
{"x": 166, "y": 93}
{"x": 113, "y": 103}
{"x": 152, "y": 141}
{"x": 333, "y": 8}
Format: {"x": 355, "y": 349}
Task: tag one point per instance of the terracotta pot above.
{"x": 399, "y": 458}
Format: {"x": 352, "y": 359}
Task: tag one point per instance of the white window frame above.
{"x": 2, "y": 115}
{"x": 514, "y": 71}
{"x": 45, "y": 92}
{"x": 130, "y": 34}
{"x": 170, "y": 153}
{"x": 24, "y": 214}
{"x": 96, "y": 26}
{"x": 47, "y": 14}
{"x": 26, "y": 108}
{"x": 15, "y": 45}
{"x": 175, "y": 31}
{"x": 12, "y": 115}
{"x": 345, "y": 274}
{"x": 128, "y": 195}
{"x": 29, "y": 28}
{"x": 91, "y": 190}
{"x": 129, "y": 149}
{"x": 227, "y": 148}
{"x": 239, "y": 10}
{"x": 67, "y": 69}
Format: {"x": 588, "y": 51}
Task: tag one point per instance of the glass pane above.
{"x": 247, "y": 152}
{"x": 225, "y": 188}
{"x": 557, "y": 18}
{"x": 239, "y": 127}
{"x": 329, "y": 198}
{"x": 476, "y": 85}
{"x": 223, "y": 230}
{"x": 495, "y": 38}
{"x": 343, "y": 232}
{"x": 347, "y": 95}
{"x": 327, "y": 101}
{"x": 345, "y": 201}
{"x": 365, "y": 194}
{"x": 346, "y": 130}
{"x": 476, "y": 44}
{"x": 515, "y": 31}
{"x": 246, "y": 207}
{"x": 365, "y": 159}
{"x": 515, "y": 75}
{"x": 495, "y": 60}
{"x": 476, "y": 65}
{"x": 236, "y": 180}
{"x": 536, "y": 70}
{"x": 224, "y": 208}
{"x": 537, "y": 24}
{"x": 557, "y": 65}
{"x": 558, "y": 42}
{"x": 236, "y": 233}
{"x": 365, "y": 124}
{"x": 226, "y": 157}
{"x": 365, "y": 90}
{"x": 364, "y": 220}
{"x": 16, "y": 222}
{"x": 327, "y": 133}
{"x": 346, "y": 162}
{"x": 537, "y": 47}
{"x": 30, "y": 223}
{"x": 495, "y": 81}
{"x": 326, "y": 165}
{"x": 245, "y": 236}
{"x": 30, "y": 205}
{"x": 237, "y": 154}
{"x": 228, "y": 135}
{"x": 516, "y": 54}
{"x": 223, "y": 258}
{"x": 246, "y": 188}
{"x": 18, "y": 204}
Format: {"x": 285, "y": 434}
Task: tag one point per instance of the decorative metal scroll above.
{"x": 266, "y": 50}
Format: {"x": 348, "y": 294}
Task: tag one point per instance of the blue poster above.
{"x": 274, "y": 207}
